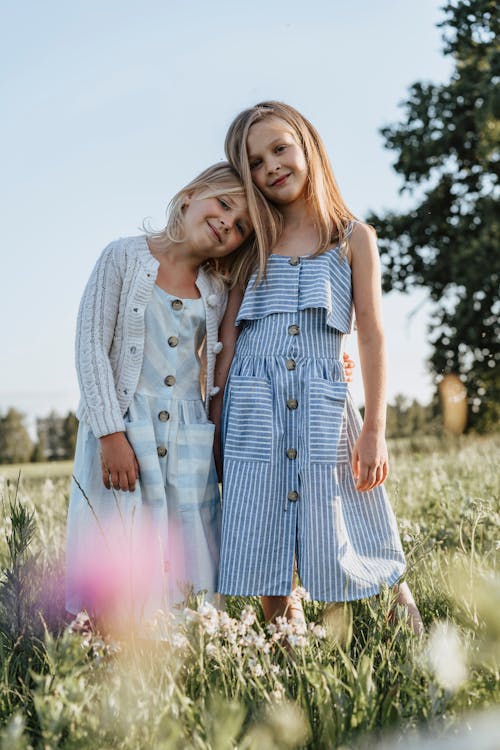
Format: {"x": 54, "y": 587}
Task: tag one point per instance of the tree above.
{"x": 69, "y": 433}
{"x": 15, "y": 442}
{"x": 448, "y": 157}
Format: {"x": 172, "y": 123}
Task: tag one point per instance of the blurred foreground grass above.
{"x": 224, "y": 680}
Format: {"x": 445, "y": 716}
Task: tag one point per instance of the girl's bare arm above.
{"x": 369, "y": 461}
{"x": 228, "y": 334}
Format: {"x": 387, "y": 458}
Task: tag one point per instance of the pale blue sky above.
{"x": 110, "y": 107}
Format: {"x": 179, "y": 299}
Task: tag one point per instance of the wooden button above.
{"x": 162, "y": 451}
{"x": 291, "y": 453}
{"x": 293, "y": 330}
{"x": 292, "y": 403}
{"x": 293, "y": 496}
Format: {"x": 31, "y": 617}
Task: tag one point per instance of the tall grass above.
{"x": 210, "y": 680}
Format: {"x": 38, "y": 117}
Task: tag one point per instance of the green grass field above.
{"x": 220, "y": 681}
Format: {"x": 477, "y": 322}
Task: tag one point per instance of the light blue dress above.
{"x": 289, "y": 425}
{"x": 167, "y": 531}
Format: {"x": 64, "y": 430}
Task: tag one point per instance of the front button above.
{"x": 294, "y": 261}
{"x": 292, "y": 403}
{"x": 290, "y": 364}
{"x": 291, "y": 453}
{"x": 177, "y": 304}
{"x": 164, "y": 416}
{"x": 133, "y": 349}
{"x": 293, "y": 330}
{"x": 169, "y": 380}
{"x": 293, "y": 496}
{"x": 162, "y": 451}
{"x": 173, "y": 341}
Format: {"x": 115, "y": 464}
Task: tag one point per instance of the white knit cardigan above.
{"x": 110, "y": 331}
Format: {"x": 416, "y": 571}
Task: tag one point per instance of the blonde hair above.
{"x": 219, "y": 179}
{"x": 330, "y": 212}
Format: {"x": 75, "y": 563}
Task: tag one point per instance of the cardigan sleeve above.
{"x": 96, "y": 322}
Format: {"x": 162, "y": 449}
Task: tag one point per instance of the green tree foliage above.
{"x": 57, "y": 436}
{"x": 447, "y": 155}
{"x": 407, "y": 418}
{"x": 69, "y": 432}
{"x": 15, "y": 443}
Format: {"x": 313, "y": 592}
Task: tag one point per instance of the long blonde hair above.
{"x": 217, "y": 180}
{"x": 330, "y": 212}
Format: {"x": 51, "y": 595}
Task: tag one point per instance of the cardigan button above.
{"x": 169, "y": 380}
{"x": 215, "y": 390}
{"x": 212, "y": 300}
{"x": 162, "y": 451}
{"x": 173, "y": 341}
{"x": 177, "y": 304}
{"x": 218, "y": 347}
{"x": 163, "y": 416}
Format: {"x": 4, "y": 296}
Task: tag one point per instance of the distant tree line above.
{"x": 56, "y": 434}
{"x": 55, "y": 438}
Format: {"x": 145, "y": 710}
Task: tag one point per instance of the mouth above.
{"x": 214, "y": 232}
{"x": 281, "y": 180}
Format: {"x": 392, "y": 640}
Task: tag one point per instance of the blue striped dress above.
{"x": 168, "y": 530}
{"x": 288, "y": 427}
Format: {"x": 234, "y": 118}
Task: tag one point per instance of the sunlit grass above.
{"x": 214, "y": 680}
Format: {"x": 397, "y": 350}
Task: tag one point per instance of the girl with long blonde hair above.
{"x": 303, "y": 475}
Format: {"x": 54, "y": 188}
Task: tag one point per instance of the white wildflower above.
{"x": 445, "y": 656}
{"x": 179, "y": 641}
{"x": 298, "y": 641}
{"x": 256, "y": 668}
{"x": 211, "y": 649}
{"x": 208, "y": 610}
{"x": 318, "y": 631}
{"x": 248, "y": 616}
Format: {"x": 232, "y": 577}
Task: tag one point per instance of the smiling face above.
{"x": 277, "y": 161}
{"x": 215, "y": 226}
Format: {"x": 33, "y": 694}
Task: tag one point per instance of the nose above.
{"x": 273, "y": 166}
{"x": 226, "y": 223}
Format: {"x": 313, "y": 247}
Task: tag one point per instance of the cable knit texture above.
{"x": 110, "y": 331}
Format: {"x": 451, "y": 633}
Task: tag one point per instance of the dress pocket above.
{"x": 248, "y": 419}
{"x": 327, "y": 429}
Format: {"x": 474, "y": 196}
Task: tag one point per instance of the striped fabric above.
{"x": 289, "y": 426}
{"x": 176, "y": 505}
{"x": 290, "y": 286}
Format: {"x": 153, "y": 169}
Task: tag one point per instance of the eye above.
{"x": 223, "y": 203}
{"x": 279, "y": 149}
{"x": 241, "y": 229}
{"x": 255, "y": 163}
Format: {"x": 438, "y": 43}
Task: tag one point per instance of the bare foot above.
{"x": 404, "y": 598}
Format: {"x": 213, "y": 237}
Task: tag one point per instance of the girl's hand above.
{"x": 370, "y": 464}
{"x": 120, "y": 469}
{"x": 349, "y": 366}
